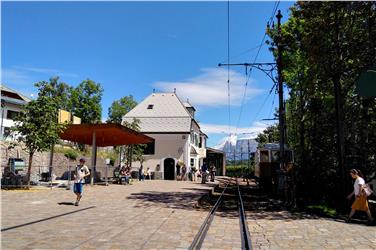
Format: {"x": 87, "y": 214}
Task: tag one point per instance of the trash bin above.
{"x": 134, "y": 175}
{"x": 157, "y": 175}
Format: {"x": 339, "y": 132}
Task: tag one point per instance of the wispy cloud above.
{"x": 172, "y": 36}
{"x": 15, "y": 76}
{"x": 251, "y": 131}
{"x": 210, "y": 88}
{"x": 46, "y": 71}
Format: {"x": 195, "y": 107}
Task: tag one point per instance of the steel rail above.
{"x": 200, "y": 236}
{"x": 244, "y": 232}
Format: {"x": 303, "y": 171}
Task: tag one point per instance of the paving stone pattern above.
{"x": 157, "y": 215}
{"x": 146, "y": 215}
{"x": 283, "y": 230}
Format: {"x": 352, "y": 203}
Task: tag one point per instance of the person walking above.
{"x": 212, "y": 170}
{"x": 204, "y": 169}
{"x": 141, "y": 175}
{"x": 193, "y": 172}
{"x": 183, "y": 172}
{"x": 79, "y": 179}
{"x": 178, "y": 171}
{"x": 148, "y": 174}
{"x": 360, "y": 203}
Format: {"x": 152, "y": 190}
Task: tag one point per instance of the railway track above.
{"x": 229, "y": 198}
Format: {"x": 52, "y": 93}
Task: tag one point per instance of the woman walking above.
{"x": 360, "y": 202}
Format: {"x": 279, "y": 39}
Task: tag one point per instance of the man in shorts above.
{"x": 79, "y": 179}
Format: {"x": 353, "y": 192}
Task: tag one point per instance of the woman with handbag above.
{"x": 360, "y": 203}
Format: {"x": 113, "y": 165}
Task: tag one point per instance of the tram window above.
{"x": 264, "y": 156}
{"x": 288, "y": 156}
{"x": 275, "y": 156}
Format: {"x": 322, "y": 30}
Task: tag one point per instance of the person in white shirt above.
{"x": 360, "y": 202}
{"x": 79, "y": 179}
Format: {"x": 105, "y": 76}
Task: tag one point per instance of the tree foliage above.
{"x": 134, "y": 152}
{"x": 60, "y": 91}
{"x": 37, "y": 127}
{"x": 86, "y": 101}
{"x": 328, "y": 43}
{"x": 269, "y": 135}
{"x": 121, "y": 107}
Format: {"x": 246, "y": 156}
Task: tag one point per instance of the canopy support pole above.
{"x": 93, "y": 159}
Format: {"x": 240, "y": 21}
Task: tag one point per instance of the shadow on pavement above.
{"x": 45, "y": 219}
{"x": 66, "y": 203}
{"x": 175, "y": 200}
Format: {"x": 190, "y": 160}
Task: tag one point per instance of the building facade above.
{"x": 11, "y": 105}
{"x": 178, "y": 137}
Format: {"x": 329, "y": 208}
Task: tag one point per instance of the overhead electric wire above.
{"x": 263, "y": 104}
{"x": 241, "y": 53}
{"x": 271, "y": 109}
{"x": 228, "y": 68}
{"x": 275, "y": 7}
{"x": 276, "y": 4}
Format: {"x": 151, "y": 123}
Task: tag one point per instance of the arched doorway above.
{"x": 169, "y": 169}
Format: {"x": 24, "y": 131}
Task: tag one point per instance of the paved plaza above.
{"x": 158, "y": 215}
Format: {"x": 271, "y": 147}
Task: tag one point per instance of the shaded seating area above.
{"x": 102, "y": 135}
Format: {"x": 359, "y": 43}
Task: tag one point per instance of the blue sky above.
{"x": 132, "y": 48}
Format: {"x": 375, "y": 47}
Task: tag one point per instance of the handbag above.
{"x": 367, "y": 190}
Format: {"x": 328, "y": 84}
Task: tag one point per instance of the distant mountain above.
{"x": 237, "y": 144}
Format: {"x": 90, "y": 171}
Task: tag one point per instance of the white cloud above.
{"x": 210, "y": 88}
{"x": 242, "y": 132}
{"x": 46, "y": 71}
{"x": 14, "y": 76}
{"x": 17, "y": 75}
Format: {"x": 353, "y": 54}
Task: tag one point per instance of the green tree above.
{"x": 269, "y": 135}
{"x": 134, "y": 152}
{"x": 86, "y": 101}
{"x": 37, "y": 127}
{"x": 120, "y": 107}
{"x": 326, "y": 45}
{"x": 60, "y": 91}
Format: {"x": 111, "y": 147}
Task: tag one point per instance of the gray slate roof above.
{"x": 167, "y": 114}
{"x": 7, "y": 89}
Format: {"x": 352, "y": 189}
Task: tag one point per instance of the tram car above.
{"x": 267, "y": 164}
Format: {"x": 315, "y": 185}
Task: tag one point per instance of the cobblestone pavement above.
{"x": 146, "y": 215}
{"x": 157, "y": 215}
{"x": 283, "y": 230}
{"x": 223, "y": 233}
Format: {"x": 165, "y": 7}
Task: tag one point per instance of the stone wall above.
{"x": 41, "y": 160}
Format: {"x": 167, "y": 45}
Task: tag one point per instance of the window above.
{"x": 264, "y": 156}
{"x": 192, "y": 162}
{"x": 200, "y": 143}
{"x": 11, "y": 115}
{"x": 275, "y": 156}
{"x": 149, "y": 149}
{"x": 6, "y": 132}
{"x": 150, "y": 106}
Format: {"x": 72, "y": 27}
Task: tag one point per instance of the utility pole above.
{"x": 249, "y": 159}
{"x": 280, "y": 94}
{"x": 268, "y": 69}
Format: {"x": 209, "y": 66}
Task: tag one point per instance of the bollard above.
{"x": 106, "y": 174}
{"x": 69, "y": 177}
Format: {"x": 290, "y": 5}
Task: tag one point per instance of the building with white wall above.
{"x": 178, "y": 138}
{"x": 11, "y": 105}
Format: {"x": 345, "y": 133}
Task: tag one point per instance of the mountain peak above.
{"x": 239, "y": 145}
